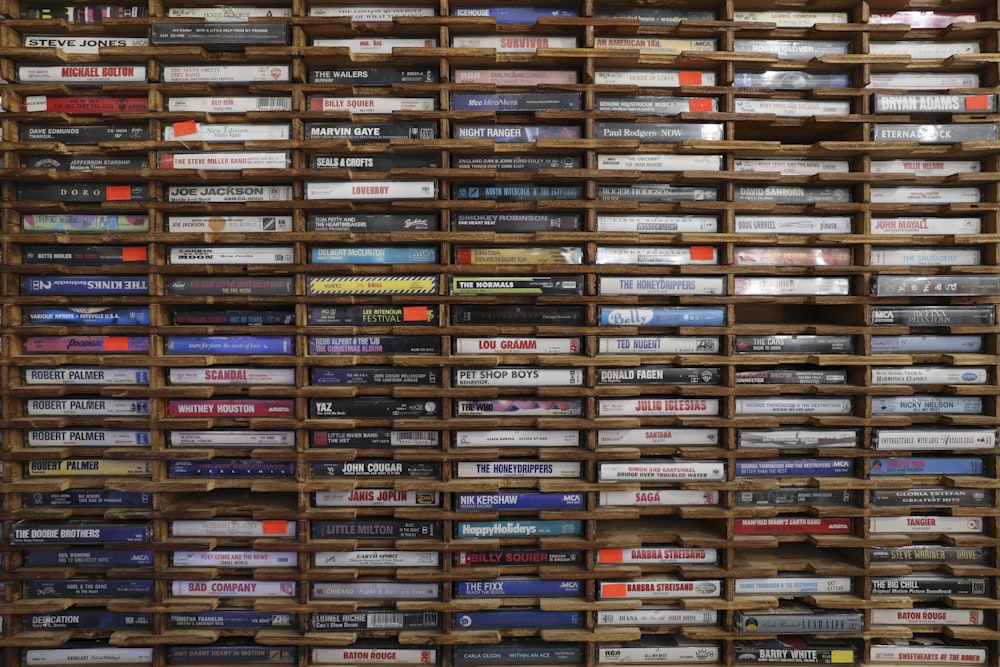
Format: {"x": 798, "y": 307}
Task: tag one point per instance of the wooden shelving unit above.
{"x": 802, "y": 253}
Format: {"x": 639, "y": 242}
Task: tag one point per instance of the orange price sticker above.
{"x": 185, "y": 127}
{"x": 118, "y": 193}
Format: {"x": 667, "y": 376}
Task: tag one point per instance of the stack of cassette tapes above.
{"x": 469, "y": 334}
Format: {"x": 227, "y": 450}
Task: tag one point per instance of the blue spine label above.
{"x": 232, "y": 468}
{"x": 88, "y": 558}
{"x": 138, "y": 316}
{"x": 374, "y": 345}
{"x": 230, "y": 345}
{"x": 523, "y": 15}
{"x": 518, "y": 618}
{"x": 88, "y": 619}
{"x": 517, "y": 528}
{"x": 922, "y": 465}
{"x": 102, "y": 588}
{"x": 86, "y": 285}
{"x": 27, "y": 533}
{"x": 778, "y": 467}
{"x": 518, "y": 587}
{"x": 518, "y": 192}
{"x": 663, "y": 317}
{"x": 538, "y": 501}
{"x": 517, "y": 102}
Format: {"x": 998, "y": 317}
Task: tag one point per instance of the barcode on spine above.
{"x": 413, "y": 437}
{"x": 385, "y": 620}
{"x": 274, "y": 104}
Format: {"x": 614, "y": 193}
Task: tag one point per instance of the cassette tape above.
{"x": 927, "y": 404}
{"x": 653, "y": 105}
{"x": 373, "y": 315}
{"x": 794, "y": 344}
{"x": 793, "y": 405}
{"x": 518, "y": 15}
{"x": 923, "y": 80}
{"x": 656, "y": 193}
{"x": 530, "y": 163}
{"x": 372, "y": 132}
{"x": 513, "y": 43}
{"x": 681, "y": 437}
{"x": 660, "y": 133}
{"x": 917, "y": 344}
{"x": 945, "y": 133}
{"x": 926, "y": 225}
{"x": 653, "y": 78}
{"x": 516, "y": 345}
{"x": 657, "y": 224}
{"x": 383, "y": 45}
{"x": 221, "y": 161}
{"x": 656, "y": 45}
{"x": 789, "y": 18}
{"x": 659, "y": 345}
{"x": 516, "y": 77}
{"x": 374, "y": 255}
{"x": 229, "y": 104}
{"x": 557, "y": 315}
{"x": 371, "y": 76}
{"x": 790, "y": 80}
{"x": 661, "y": 16}
{"x": 89, "y": 73}
{"x": 83, "y": 162}
{"x": 228, "y": 13}
{"x": 83, "y": 223}
{"x": 370, "y": 105}
{"x": 517, "y": 193}
{"x": 231, "y": 254}
{"x": 517, "y": 377}
{"x": 934, "y": 104}
{"x": 663, "y": 316}
{"x": 796, "y": 438}
{"x": 792, "y": 194}
{"x": 228, "y": 223}
{"x": 81, "y": 192}
{"x": 924, "y": 316}
{"x": 504, "y": 255}
{"x": 228, "y": 194}
{"x": 941, "y": 285}
{"x": 793, "y": 49}
{"x": 792, "y": 224}
{"x": 658, "y": 374}
{"x": 790, "y": 286}
{"x": 366, "y": 14}
{"x": 221, "y": 36}
{"x": 658, "y": 407}
{"x": 791, "y": 256}
{"x": 658, "y": 162}
{"x": 277, "y": 73}
{"x": 517, "y": 102}
{"x": 661, "y": 286}
{"x": 925, "y": 256}
{"x": 226, "y": 133}
{"x": 515, "y": 285}
{"x": 791, "y": 108}
{"x": 792, "y": 166}
{"x": 372, "y": 222}
{"x": 374, "y": 162}
{"x": 90, "y": 44}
